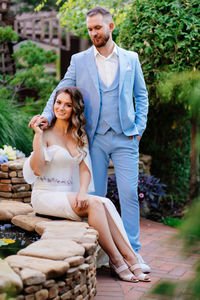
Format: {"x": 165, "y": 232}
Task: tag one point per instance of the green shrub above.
{"x": 14, "y": 129}
{"x": 166, "y": 36}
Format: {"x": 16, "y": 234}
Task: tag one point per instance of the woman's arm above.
{"x": 37, "y": 161}
{"x": 85, "y": 176}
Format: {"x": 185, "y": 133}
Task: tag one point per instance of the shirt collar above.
{"x": 114, "y": 52}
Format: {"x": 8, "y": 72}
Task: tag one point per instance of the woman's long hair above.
{"x": 77, "y": 121}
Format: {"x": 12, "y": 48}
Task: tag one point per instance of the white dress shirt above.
{"x": 107, "y": 66}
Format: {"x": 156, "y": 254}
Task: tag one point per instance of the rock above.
{"x": 49, "y": 249}
{"x": 31, "y": 277}
{"x": 75, "y": 260}
{"x": 3, "y": 174}
{"x": 50, "y": 268}
{"x": 9, "y": 209}
{"x": 42, "y": 295}
{"x": 9, "y": 280}
{"x": 27, "y": 222}
{"x": 90, "y": 248}
{"x": 53, "y": 292}
{"x": 40, "y": 227}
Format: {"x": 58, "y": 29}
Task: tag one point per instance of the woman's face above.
{"x": 63, "y": 106}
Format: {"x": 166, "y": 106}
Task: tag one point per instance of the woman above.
{"x": 59, "y": 160}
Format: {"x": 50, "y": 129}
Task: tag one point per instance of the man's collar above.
{"x": 96, "y": 52}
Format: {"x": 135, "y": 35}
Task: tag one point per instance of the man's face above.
{"x": 99, "y": 30}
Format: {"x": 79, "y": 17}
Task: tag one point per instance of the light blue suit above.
{"x": 123, "y": 151}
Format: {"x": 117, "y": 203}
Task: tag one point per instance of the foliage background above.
{"x": 166, "y": 36}
{"x": 25, "y": 93}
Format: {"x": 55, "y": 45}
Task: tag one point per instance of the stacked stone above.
{"x": 78, "y": 283}
{"x": 12, "y": 184}
{"x": 61, "y": 265}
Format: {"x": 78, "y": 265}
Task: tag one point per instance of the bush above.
{"x": 151, "y": 195}
{"x": 166, "y": 36}
{"x": 14, "y": 129}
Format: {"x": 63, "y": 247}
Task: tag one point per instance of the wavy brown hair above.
{"x": 77, "y": 122}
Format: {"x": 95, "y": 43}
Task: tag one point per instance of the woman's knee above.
{"x": 95, "y": 201}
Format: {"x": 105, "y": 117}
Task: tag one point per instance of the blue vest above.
{"x": 109, "y": 107}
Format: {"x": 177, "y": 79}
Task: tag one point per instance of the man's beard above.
{"x": 102, "y": 41}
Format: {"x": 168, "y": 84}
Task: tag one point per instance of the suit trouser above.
{"x": 124, "y": 153}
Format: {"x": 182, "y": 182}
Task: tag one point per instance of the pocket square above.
{"x": 128, "y": 68}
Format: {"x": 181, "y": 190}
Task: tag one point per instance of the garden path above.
{"x": 162, "y": 252}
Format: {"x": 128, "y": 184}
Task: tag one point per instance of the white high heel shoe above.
{"x": 140, "y": 277}
{"x": 116, "y": 271}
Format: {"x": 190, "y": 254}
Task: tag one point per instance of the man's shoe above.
{"x": 145, "y": 268}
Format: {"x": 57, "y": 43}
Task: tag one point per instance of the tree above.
{"x": 72, "y": 13}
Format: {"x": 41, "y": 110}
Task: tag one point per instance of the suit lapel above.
{"x": 123, "y": 64}
{"x": 92, "y": 68}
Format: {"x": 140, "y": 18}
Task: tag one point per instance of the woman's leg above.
{"x": 97, "y": 218}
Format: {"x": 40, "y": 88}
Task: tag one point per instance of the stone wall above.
{"x": 61, "y": 265}
{"x": 12, "y": 184}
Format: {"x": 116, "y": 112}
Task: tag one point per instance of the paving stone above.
{"x": 49, "y": 249}
{"x": 60, "y": 225}
{"x": 50, "y": 268}
{"x": 9, "y": 209}
{"x": 31, "y": 277}
{"x": 9, "y": 279}
{"x": 27, "y": 222}
{"x": 75, "y": 261}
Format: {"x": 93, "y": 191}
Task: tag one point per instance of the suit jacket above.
{"x": 83, "y": 74}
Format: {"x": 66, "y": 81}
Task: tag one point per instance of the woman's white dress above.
{"x": 60, "y": 178}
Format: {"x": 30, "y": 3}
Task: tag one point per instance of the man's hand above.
{"x": 138, "y": 137}
{"x": 39, "y": 121}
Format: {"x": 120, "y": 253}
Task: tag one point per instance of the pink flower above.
{"x": 141, "y": 195}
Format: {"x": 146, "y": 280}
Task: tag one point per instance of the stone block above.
{"x": 51, "y": 268}
{"x": 5, "y": 187}
{"x": 20, "y": 187}
{"x": 3, "y": 175}
{"x": 18, "y": 180}
{"x": 9, "y": 209}
{"x": 32, "y": 289}
{"x": 4, "y": 167}
{"x": 13, "y": 174}
{"x": 27, "y": 222}
{"x": 5, "y": 181}
{"x": 53, "y": 292}
{"x": 67, "y": 295}
{"x": 6, "y": 195}
{"x": 20, "y": 174}
{"x": 32, "y": 277}
{"x": 42, "y": 294}
{"x": 75, "y": 260}
{"x": 9, "y": 280}
{"x": 49, "y": 249}
{"x": 22, "y": 194}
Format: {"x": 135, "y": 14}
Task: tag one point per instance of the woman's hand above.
{"x": 37, "y": 129}
{"x": 39, "y": 121}
{"x": 81, "y": 200}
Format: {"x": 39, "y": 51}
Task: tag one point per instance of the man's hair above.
{"x": 99, "y": 10}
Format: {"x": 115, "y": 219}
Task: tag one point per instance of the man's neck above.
{"x": 107, "y": 49}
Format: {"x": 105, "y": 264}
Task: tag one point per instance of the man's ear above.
{"x": 111, "y": 26}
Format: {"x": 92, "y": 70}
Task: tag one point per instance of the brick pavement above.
{"x": 164, "y": 255}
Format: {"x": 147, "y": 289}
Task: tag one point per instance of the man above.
{"x": 108, "y": 77}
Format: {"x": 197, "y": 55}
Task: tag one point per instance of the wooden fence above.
{"x": 42, "y": 27}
